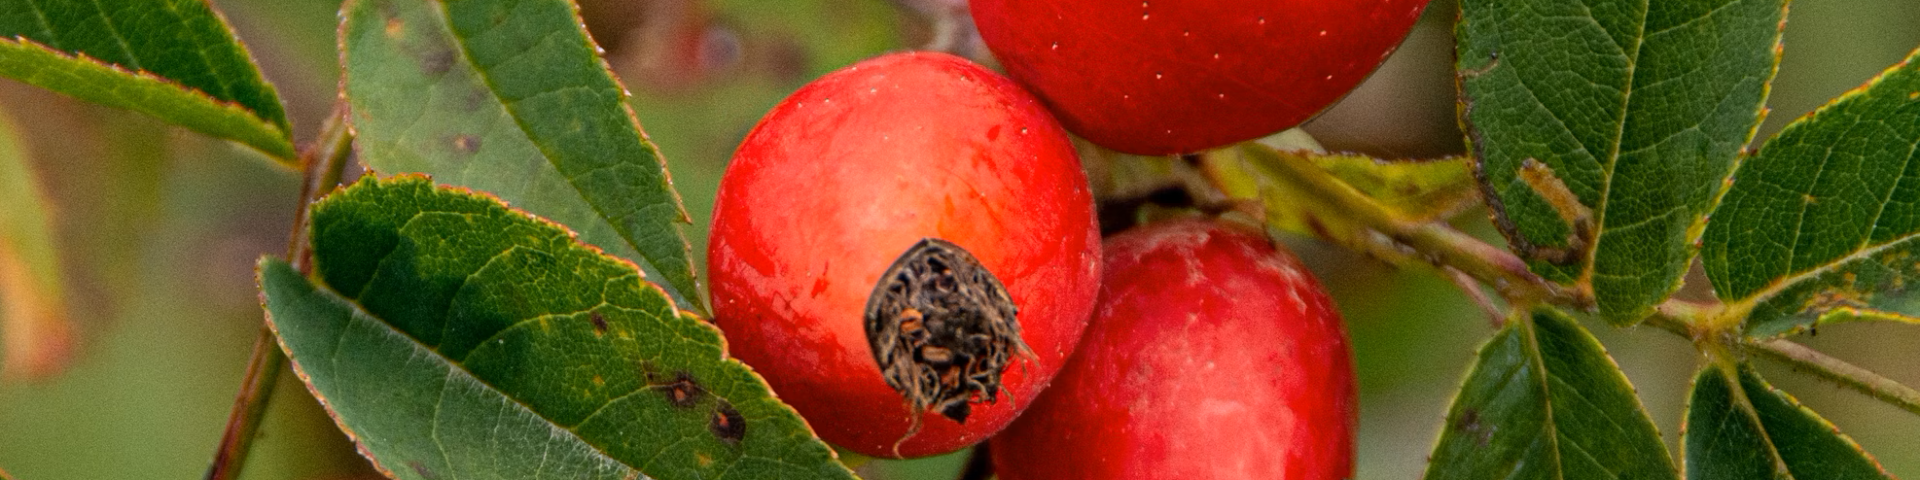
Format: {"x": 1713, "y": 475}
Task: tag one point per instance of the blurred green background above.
{"x": 159, "y": 229}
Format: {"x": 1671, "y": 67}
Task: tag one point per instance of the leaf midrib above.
{"x": 1538, "y": 362}
{"x": 361, "y": 314}
{"x": 1613, "y": 149}
{"x": 466, "y": 58}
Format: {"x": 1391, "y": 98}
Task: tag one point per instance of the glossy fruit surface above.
{"x": 844, "y": 177}
{"x": 1164, "y": 76}
{"x": 1211, "y": 355}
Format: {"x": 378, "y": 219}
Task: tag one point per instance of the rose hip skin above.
{"x": 1164, "y": 76}
{"x": 847, "y": 174}
{"x": 1211, "y": 355}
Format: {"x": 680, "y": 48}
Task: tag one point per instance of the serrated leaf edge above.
{"x": 725, "y": 355}
{"x": 281, "y": 151}
{"x": 1742, "y": 306}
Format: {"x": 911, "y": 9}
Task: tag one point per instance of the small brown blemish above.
{"x": 1469, "y": 423}
{"x": 467, "y": 144}
{"x": 727, "y": 424}
{"x": 395, "y": 27}
{"x": 682, "y": 392}
{"x": 437, "y": 62}
{"x": 599, "y": 323}
{"x": 421, "y": 470}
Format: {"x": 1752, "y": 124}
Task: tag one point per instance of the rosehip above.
{"x": 1158, "y": 77}
{"x": 906, "y": 249}
{"x": 1211, "y": 355}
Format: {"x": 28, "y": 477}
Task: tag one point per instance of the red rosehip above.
{"x": 843, "y": 179}
{"x": 1211, "y": 355}
{"x": 1158, "y": 77}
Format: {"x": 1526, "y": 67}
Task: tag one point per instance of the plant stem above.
{"x": 1846, "y": 374}
{"x": 323, "y": 163}
{"x": 1688, "y": 320}
{"x": 1459, "y": 254}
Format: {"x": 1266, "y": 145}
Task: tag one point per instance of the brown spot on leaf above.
{"x": 727, "y": 424}
{"x": 599, "y": 323}
{"x": 437, "y": 61}
{"x": 1468, "y": 423}
{"x": 421, "y": 470}
{"x": 682, "y": 392}
{"x": 468, "y": 144}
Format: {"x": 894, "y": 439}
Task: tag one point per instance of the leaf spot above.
{"x": 682, "y": 392}
{"x": 727, "y": 424}
{"x": 468, "y": 144}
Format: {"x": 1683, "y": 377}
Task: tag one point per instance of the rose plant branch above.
{"x": 1694, "y": 321}
{"x": 1846, "y": 374}
{"x": 323, "y": 162}
{"x": 1458, "y": 254}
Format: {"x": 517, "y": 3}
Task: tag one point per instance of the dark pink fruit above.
{"x": 1211, "y": 355}
{"x": 846, "y": 175}
{"x": 1174, "y": 76}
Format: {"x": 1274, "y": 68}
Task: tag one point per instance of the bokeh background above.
{"x": 158, "y": 230}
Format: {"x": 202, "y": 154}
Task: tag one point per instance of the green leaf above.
{"x": 456, "y": 338}
{"x": 1821, "y": 223}
{"x": 1410, "y": 191}
{"x": 1605, "y": 129}
{"x": 511, "y": 98}
{"x": 33, "y": 315}
{"x": 1417, "y": 189}
{"x": 172, "y": 59}
{"x": 1545, "y": 401}
{"x": 1758, "y": 431}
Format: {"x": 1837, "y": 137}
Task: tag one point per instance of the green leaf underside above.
{"x": 1762, "y": 432}
{"x": 172, "y": 59}
{"x": 1421, "y": 190}
{"x": 1638, "y": 107}
{"x": 459, "y": 339}
{"x": 1823, "y": 219}
{"x": 1428, "y": 190}
{"x": 1545, "y": 401}
{"x": 511, "y": 98}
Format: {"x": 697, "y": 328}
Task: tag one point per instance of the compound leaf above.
{"x": 1545, "y": 401}
{"x": 455, "y": 338}
{"x": 1604, "y": 129}
{"x": 1821, "y": 223}
{"x": 1758, "y": 431}
{"x": 173, "y": 59}
{"x": 512, "y": 98}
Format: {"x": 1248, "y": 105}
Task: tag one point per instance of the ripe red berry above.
{"x": 1211, "y": 355}
{"x": 850, "y": 177}
{"x": 1158, "y": 77}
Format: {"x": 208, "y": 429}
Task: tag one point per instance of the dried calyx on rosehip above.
{"x": 942, "y": 329}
